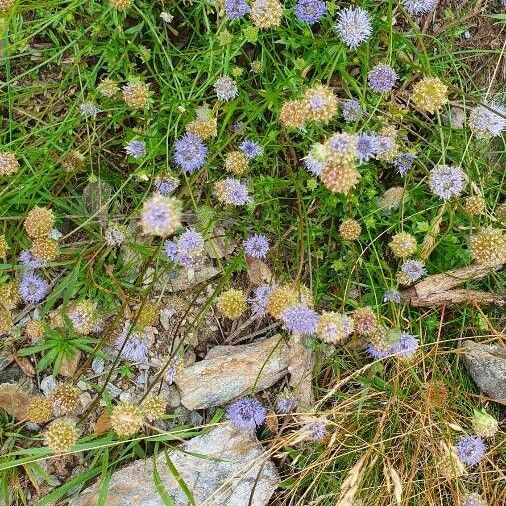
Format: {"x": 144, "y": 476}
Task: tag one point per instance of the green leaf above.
{"x": 182, "y": 484}
{"x": 105, "y": 479}
{"x": 160, "y": 487}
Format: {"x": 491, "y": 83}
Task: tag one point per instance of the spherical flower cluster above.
{"x": 316, "y": 430}
{"x": 231, "y": 303}
{"x": 114, "y": 234}
{"x": 364, "y": 321}
{"x": 368, "y": 146}
{"x": 108, "y": 87}
{"x": 40, "y": 410}
{"x": 405, "y": 347}
{"x": 403, "y": 245}
{"x": 33, "y": 288}
{"x": 391, "y": 199}
{"x": 135, "y": 148}
{"x": 294, "y": 113}
{"x": 430, "y": 94}
{"x": 247, "y": 413}
{"x": 484, "y": 425}
{"x": 251, "y": 148}
{"x": 82, "y": 315}
{"x": 341, "y": 148}
{"x": 154, "y": 408}
{"x": 61, "y": 435}
{"x": 3, "y": 246}
{"x": 313, "y": 165}
{"x": 6, "y": 321}
{"x": 417, "y": 7}
{"x": 488, "y": 246}
{"x": 260, "y": 299}
{"x": 310, "y": 11}
{"x": 225, "y": 88}
{"x": 9, "y": 295}
{"x": 403, "y": 162}
{"x": 45, "y": 249}
{"x": 475, "y": 205}
{"x": 392, "y": 296}
{"x": 286, "y": 402}
{"x": 340, "y": 177}
{"x": 350, "y": 229}
{"x": 266, "y": 13}
{"x": 236, "y": 8}
{"x": 73, "y": 161}
{"x": 487, "y": 122}
{"x": 160, "y": 215}
{"x": 473, "y": 500}
{"x": 256, "y": 246}
{"x": 322, "y": 103}
{"x": 136, "y": 94}
{"x": 39, "y": 222}
{"x": 166, "y": 184}
{"x": 447, "y": 182}
{"x": 126, "y": 419}
{"x": 8, "y": 163}
{"x": 413, "y": 269}
{"x": 284, "y": 296}
{"x": 203, "y": 128}
{"x": 5, "y": 5}
{"x": 351, "y": 110}
{"x": 187, "y": 249}
{"x": 300, "y": 319}
{"x": 89, "y": 110}
{"x": 35, "y": 329}
{"x": 387, "y": 147}
{"x": 382, "y": 78}
{"x": 500, "y": 213}
{"x": 65, "y": 399}
{"x": 132, "y": 344}
{"x": 232, "y": 191}
{"x": 121, "y": 5}
{"x": 334, "y": 328}
{"x": 236, "y": 162}
{"x": 470, "y": 449}
{"x": 190, "y": 153}
{"x": 354, "y": 26}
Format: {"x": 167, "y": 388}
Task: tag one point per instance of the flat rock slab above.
{"x": 229, "y": 372}
{"x": 14, "y": 400}
{"x": 487, "y": 365}
{"x": 236, "y": 472}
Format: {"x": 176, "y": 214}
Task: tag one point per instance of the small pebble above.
{"x": 47, "y": 385}
{"x": 98, "y": 365}
{"x": 113, "y": 390}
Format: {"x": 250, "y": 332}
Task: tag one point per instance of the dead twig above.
{"x": 442, "y": 289}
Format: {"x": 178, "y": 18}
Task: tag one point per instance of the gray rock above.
{"x": 48, "y": 384}
{"x": 229, "y": 372}
{"x": 97, "y": 366}
{"x": 487, "y": 365}
{"x": 85, "y": 399}
{"x": 171, "y": 394}
{"x": 82, "y": 385}
{"x": 125, "y": 396}
{"x": 113, "y": 390}
{"x": 236, "y": 474}
{"x": 11, "y": 374}
{"x": 169, "y": 284}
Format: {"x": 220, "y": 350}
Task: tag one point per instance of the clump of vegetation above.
{"x": 226, "y": 171}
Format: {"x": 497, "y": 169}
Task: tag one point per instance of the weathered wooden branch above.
{"x": 438, "y": 289}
